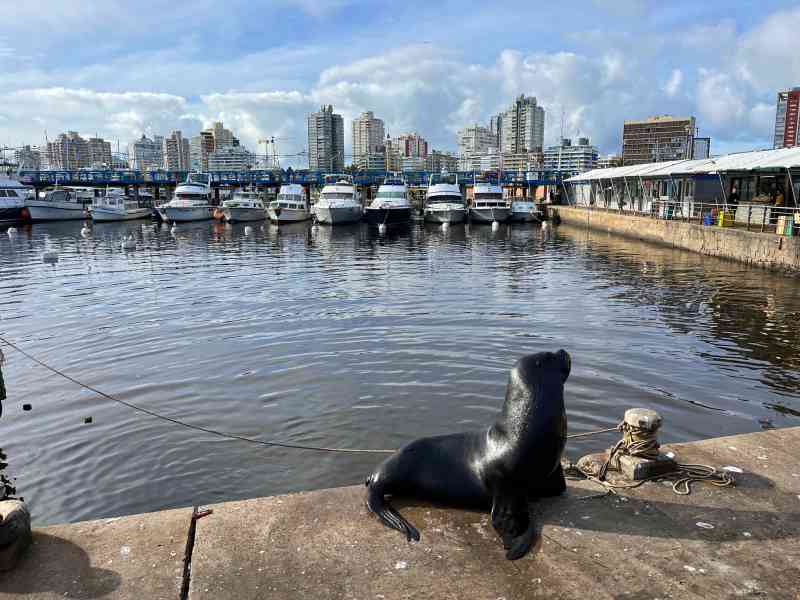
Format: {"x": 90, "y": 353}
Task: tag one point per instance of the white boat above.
{"x": 525, "y": 211}
{"x": 338, "y": 201}
{"x": 290, "y": 206}
{"x": 191, "y": 201}
{"x": 116, "y": 206}
{"x": 12, "y": 200}
{"x": 61, "y": 204}
{"x": 488, "y": 204}
{"x": 444, "y": 202}
{"x": 390, "y": 205}
{"x": 243, "y": 206}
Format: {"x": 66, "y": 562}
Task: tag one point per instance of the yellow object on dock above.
{"x": 725, "y": 218}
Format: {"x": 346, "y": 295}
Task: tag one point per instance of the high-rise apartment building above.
{"x": 787, "y": 119}
{"x": 496, "y": 129}
{"x": 325, "y": 141}
{"x": 222, "y": 137}
{"x": 438, "y": 161}
{"x": 145, "y": 154}
{"x": 521, "y": 129}
{"x": 200, "y": 148}
{"x": 231, "y": 158}
{"x": 411, "y": 144}
{"x": 368, "y": 143}
{"x": 29, "y": 157}
{"x": 69, "y": 151}
{"x": 473, "y": 142}
{"x": 570, "y": 159}
{"x": 176, "y": 152}
{"x": 657, "y": 139}
{"x": 99, "y": 153}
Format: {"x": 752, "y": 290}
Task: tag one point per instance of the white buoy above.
{"x": 129, "y": 243}
{"x": 85, "y": 230}
{"x": 174, "y": 228}
{"x": 12, "y": 231}
{"x": 382, "y": 228}
{"x": 495, "y": 225}
{"x": 445, "y": 225}
{"x": 545, "y": 225}
{"x": 248, "y": 230}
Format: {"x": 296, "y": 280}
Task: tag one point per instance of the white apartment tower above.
{"x": 176, "y": 152}
{"x": 325, "y": 141}
{"x": 522, "y": 126}
{"x": 145, "y": 154}
{"x": 368, "y": 133}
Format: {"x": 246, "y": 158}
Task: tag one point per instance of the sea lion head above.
{"x": 535, "y": 390}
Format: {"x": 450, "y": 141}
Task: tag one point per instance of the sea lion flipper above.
{"x": 376, "y": 503}
{"x": 521, "y": 544}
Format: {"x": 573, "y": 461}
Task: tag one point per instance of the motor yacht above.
{"x": 525, "y": 211}
{"x": 12, "y": 200}
{"x": 114, "y": 205}
{"x": 60, "y": 204}
{"x": 338, "y": 201}
{"x": 444, "y": 202}
{"x": 242, "y": 206}
{"x": 290, "y": 206}
{"x": 191, "y": 201}
{"x": 488, "y": 204}
{"x": 390, "y": 205}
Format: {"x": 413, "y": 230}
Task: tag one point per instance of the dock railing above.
{"x": 763, "y": 218}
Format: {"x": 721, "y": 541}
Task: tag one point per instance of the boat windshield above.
{"x": 198, "y": 178}
{"x": 449, "y": 198}
{"x": 391, "y": 195}
{"x": 335, "y": 196}
{"x": 197, "y": 197}
{"x": 291, "y": 197}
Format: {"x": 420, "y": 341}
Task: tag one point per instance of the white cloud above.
{"x": 673, "y": 86}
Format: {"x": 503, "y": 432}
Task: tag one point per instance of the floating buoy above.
{"x": 174, "y": 228}
{"x": 382, "y": 228}
{"x": 85, "y": 230}
{"x": 12, "y": 231}
{"x": 545, "y": 225}
{"x": 248, "y": 230}
{"x": 495, "y": 225}
{"x": 129, "y": 243}
{"x": 445, "y": 225}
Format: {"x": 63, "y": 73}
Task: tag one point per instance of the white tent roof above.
{"x": 783, "y": 158}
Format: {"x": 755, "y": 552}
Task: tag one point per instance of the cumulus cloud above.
{"x": 673, "y": 86}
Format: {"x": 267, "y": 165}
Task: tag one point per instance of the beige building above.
{"x": 176, "y": 152}
{"x": 69, "y": 152}
{"x": 522, "y": 127}
{"x": 657, "y": 139}
{"x": 368, "y": 144}
{"x": 326, "y": 141}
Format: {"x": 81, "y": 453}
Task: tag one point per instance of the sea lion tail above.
{"x": 377, "y": 504}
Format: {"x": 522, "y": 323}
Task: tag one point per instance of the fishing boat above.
{"x": 114, "y": 205}
{"x": 338, "y": 201}
{"x": 242, "y": 206}
{"x": 525, "y": 211}
{"x": 488, "y": 204}
{"x": 290, "y": 206}
{"x": 60, "y": 204}
{"x": 191, "y": 201}
{"x": 444, "y": 202}
{"x": 12, "y": 200}
{"x": 390, "y": 205}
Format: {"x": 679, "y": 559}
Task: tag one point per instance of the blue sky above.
{"x": 121, "y": 68}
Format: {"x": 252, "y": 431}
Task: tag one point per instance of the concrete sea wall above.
{"x": 765, "y": 250}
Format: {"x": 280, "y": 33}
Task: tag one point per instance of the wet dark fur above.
{"x": 503, "y": 468}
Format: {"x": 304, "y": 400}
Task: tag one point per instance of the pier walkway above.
{"x": 741, "y": 542}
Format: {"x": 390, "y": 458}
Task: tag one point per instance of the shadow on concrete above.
{"x": 56, "y": 565}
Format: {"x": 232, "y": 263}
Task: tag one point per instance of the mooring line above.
{"x": 223, "y": 434}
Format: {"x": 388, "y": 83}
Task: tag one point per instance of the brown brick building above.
{"x": 657, "y": 139}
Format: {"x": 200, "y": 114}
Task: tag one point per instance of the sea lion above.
{"x": 517, "y": 459}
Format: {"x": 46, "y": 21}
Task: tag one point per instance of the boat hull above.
{"x": 13, "y": 214}
{"x": 450, "y": 215}
{"x": 102, "y": 215}
{"x": 388, "y": 216}
{"x": 524, "y": 217}
{"x": 487, "y": 215}
{"x": 185, "y": 214}
{"x": 55, "y": 211}
{"x": 338, "y": 215}
{"x": 288, "y": 215}
{"x": 242, "y": 215}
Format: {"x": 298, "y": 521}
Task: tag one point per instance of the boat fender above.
{"x": 15, "y": 532}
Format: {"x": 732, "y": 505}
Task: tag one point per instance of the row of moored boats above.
{"x": 339, "y": 202}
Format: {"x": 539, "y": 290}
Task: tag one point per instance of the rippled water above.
{"x": 340, "y": 337}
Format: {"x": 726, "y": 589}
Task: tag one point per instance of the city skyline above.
{"x": 596, "y": 65}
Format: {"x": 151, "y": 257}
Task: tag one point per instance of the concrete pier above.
{"x": 766, "y": 250}
{"x": 640, "y": 543}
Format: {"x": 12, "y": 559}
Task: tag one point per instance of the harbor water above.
{"x": 342, "y": 337}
